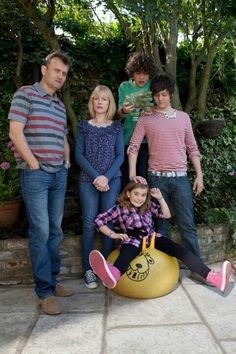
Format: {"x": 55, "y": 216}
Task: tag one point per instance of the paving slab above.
{"x": 83, "y": 303}
{"x": 217, "y": 309}
{"x": 67, "y": 334}
{"x": 13, "y": 299}
{"x": 14, "y": 328}
{"x": 229, "y": 347}
{"x": 172, "y": 308}
{"x": 177, "y": 339}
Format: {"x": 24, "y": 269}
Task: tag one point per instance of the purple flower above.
{"x": 231, "y": 173}
{"x": 5, "y": 166}
{"x": 10, "y": 146}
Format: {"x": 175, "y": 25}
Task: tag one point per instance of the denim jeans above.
{"x": 43, "y": 194}
{"x": 177, "y": 192}
{"x": 92, "y": 203}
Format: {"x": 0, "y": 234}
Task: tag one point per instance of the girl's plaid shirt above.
{"x": 131, "y": 218}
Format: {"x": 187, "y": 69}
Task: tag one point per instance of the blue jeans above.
{"x": 177, "y": 191}
{"x": 44, "y": 195}
{"x": 92, "y": 203}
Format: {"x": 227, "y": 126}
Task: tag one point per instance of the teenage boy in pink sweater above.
{"x": 171, "y": 142}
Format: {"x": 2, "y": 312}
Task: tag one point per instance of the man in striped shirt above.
{"x": 38, "y": 130}
{"x": 170, "y": 142}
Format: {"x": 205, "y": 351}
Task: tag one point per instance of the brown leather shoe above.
{"x": 63, "y": 292}
{"x": 50, "y": 306}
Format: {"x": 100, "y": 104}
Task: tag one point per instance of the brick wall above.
{"x": 15, "y": 264}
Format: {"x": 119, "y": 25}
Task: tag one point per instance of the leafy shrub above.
{"x": 217, "y": 159}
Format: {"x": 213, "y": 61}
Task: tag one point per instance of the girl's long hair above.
{"x": 124, "y": 201}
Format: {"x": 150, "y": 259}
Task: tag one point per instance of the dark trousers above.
{"x": 129, "y": 252}
{"x": 142, "y": 164}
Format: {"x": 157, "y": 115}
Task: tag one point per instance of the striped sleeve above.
{"x": 191, "y": 144}
{"x": 137, "y": 137}
{"x": 20, "y": 107}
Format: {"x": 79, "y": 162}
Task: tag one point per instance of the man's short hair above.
{"x": 140, "y": 62}
{"x": 57, "y": 54}
{"x": 162, "y": 82}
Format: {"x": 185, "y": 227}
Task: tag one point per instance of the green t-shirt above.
{"x": 127, "y": 88}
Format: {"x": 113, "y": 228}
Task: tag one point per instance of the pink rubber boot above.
{"x": 220, "y": 279}
{"x": 108, "y": 274}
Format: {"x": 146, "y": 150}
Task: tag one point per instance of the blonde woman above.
{"x": 100, "y": 153}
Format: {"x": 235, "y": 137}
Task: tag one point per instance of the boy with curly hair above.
{"x": 140, "y": 69}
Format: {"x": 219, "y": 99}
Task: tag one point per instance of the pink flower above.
{"x": 231, "y": 173}
{"x": 10, "y": 146}
{"x": 5, "y": 166}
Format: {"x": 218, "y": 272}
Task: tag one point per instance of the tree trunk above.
{"x": 146, "y": 37}
{"x": 17, "y": 78}
{"x": 171, "y": 56}
{"x": 192, "y": 87}
{"x": 204, "y": 82}
{"x": 69, "y": 110}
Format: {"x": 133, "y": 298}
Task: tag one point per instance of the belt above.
{"x": 168, "y": 173}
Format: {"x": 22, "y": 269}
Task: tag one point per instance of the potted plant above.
{"x": 9, "y": 186}
{"x": 212, "y": 127}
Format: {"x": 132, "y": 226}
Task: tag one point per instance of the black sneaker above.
{"x": 90, "y": 279}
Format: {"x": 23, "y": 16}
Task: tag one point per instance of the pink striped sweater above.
{"x": 170, "y": 141}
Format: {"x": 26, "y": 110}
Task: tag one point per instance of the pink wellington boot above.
{"x": 220, "y": 279}
{"x": 108, "y": 274}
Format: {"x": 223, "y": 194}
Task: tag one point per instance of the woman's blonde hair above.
{"x": 112, "y": 105}
{"x": 124, "y": 200}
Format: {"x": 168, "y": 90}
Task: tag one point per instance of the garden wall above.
{"x": 15, "y": 265}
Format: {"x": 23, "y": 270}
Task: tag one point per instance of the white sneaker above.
{"x": 90, "y": 279}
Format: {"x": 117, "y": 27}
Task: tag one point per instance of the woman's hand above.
{"x": 101, "y": 183}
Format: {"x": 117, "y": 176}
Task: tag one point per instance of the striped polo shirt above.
{"x": 170, "y": 140}
{"x": 44, "y": 117}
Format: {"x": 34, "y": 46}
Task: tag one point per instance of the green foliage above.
{"x": 217, "y": 159}
{"x": 9, "y": 176}
{"x": 221, "y": 216}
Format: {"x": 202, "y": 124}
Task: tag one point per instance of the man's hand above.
{"x": 127, "y": 108}
{"x": 34, "y": 166}
{"x": 198, "y": 185}
{"x": 138, "y": 179}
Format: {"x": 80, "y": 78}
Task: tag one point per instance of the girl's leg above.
{"x": 219, "y": 279}
{"x": 173, "y": 249}
{"x": 108, "y": 273}
{"x": 127, "y": 254}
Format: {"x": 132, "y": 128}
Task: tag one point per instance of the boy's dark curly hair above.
{"x": 140, "y": 62}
